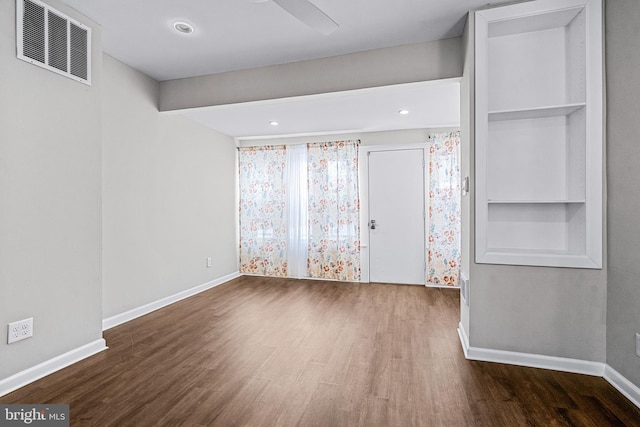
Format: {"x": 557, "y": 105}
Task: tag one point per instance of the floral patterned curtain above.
{"x": 443, "y": 231}
{"x": 263, "y": 227}
{"x": 334, "y": 211}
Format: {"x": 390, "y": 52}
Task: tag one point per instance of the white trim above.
{"x": 303, "y": 278}
{"x": 623, "y": 385}
{"x": 128, "y": 315}
{"x": 50, "y": 366}
{"x": 426, "y": 285}
{"x": 563, "y": 364}
{"x": 464, "y": 340}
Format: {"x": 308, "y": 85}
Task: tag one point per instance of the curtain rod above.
{"x": 357, "y": 141}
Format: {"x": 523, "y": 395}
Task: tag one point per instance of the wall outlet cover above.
{"x": 20, "y": 330}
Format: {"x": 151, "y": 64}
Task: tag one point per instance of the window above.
{"x": 299, "y": 211}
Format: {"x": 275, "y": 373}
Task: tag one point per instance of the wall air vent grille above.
{"x": 58, "y": 42}
{"x": 79, "y": 52}
{"x": 49, "y": 39}
{"x": 33, "y": 32}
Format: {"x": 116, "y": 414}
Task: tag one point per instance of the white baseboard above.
{"x": 441, "y": 286}
{"x": 624, "y": 386}
{"x": 303, "y": 278}
{"x": 464, "y": 340}
{"x": 50, "y": 366}
{"x": 531, "y": 360}
{"x": 128, "y": 315}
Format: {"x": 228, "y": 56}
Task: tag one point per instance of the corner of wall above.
{"x": 50, "y": 193}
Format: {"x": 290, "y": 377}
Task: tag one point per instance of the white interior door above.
{"x": 396, "y": 217}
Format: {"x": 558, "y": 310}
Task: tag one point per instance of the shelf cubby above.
{"x": 539, "y": 134}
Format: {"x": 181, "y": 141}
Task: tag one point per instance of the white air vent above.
{"x": 50, "y": 39}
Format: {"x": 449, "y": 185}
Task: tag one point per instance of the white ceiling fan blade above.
{"x": 309, "y": 13}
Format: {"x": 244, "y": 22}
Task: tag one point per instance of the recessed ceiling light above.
{"x": 273, "y": 123}
{"x": 183, "y": 27}
{"x": 403, "y": 112}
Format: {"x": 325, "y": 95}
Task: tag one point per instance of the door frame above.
{"x": 363, "y": 162}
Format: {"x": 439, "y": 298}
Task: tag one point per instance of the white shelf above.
{"x": 536, "y": 113}
{"x": 531, "y": 202}
{"x": 539, "y": 134}
{"x": 541, "y": 259}
{"x": 511, "y": 251}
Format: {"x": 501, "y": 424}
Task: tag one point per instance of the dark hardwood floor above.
{"x": 280, "y": 352}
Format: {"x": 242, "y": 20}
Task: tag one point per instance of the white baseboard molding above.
{"x": 464, "y": 340}
{"x": 624, "y": 386}
{"x": 128, "y": 315}
{"x": 304, "y": 278}
{"x": 442, "y": 287}
{"x": 50, "y": 366}
{"x": 563, "y": 364}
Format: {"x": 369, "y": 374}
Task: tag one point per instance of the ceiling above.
{"x": 429, "y": 105}
{"x": 239, "y": 34}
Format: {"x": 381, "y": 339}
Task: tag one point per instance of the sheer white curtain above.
{"x": 297, "y": 207}
{"x": 263, "y": 222}
{"x": 334, "y": 210}
{"x": 299, "y": 210}
{"x": 443, "y": 232}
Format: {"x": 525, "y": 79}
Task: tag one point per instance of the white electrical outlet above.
{"x": 209, "y": 262}
{"x": 19, "y": 330}
{"x": 638, "y": 345}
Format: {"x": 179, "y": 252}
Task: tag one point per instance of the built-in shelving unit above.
{"x": 539, "y": 134}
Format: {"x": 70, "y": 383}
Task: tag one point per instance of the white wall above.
{"x": 50, "y": 205}
{"x": 549, "y": 311}
{"x": 623, "y": 151}
{"x": 168, "y": 196}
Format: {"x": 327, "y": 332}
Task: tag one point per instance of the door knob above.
{"x": 372, "y": 224}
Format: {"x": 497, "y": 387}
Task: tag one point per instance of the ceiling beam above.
{"x": 411, "y": 63}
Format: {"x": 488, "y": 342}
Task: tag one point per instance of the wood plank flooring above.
{"x": 281, "y": 352}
